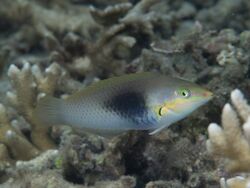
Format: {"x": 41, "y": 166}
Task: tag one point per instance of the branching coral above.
{"x": 29, "y": 83}
{"x": 57, "y": 20}
{"x": 19, "y": 146}
{"x": 111, "y": 13}
{"x": 232, "y": 143}
{"x": 25, "y": 97}
{"x": 118, "y": 43}
{"x": 236, "y": 182}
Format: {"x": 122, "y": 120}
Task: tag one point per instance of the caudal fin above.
{"x": 48, "y": 111}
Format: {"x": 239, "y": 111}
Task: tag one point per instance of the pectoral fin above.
{"x": 170, "y": 115}
{"x": 159, "y": 129}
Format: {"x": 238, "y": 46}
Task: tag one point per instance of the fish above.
{"x": 138, "y": 101}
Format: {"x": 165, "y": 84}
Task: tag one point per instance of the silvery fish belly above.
{"x": 142, "y": 101}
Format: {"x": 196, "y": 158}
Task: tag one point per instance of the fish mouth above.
{"x": 207, "y": 95}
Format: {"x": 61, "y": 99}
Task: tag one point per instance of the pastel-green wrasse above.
{"x": 142, "y": 101}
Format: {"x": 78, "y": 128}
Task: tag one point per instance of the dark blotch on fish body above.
{"x": 128, "y": 105}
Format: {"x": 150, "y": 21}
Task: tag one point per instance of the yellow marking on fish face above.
{"x": 162, "y": 110}
{"x": 181, "y": 101}
{"x": 171, "y": 105}
{"x": 179, "y": 104}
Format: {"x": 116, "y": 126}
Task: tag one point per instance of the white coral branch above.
{"x": 235, "y": 182}
{"x": 47, "y": 82}
{"x": 240, "y": 104}
{"x": 28, "y": 83}
{"x": 231, "y": 142}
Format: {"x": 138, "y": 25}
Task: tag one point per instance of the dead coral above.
{"x": 53, "y": 179}
{"x": 122, "y": 182}
{"x": 40, "y": 163}
{"x": 121, "y": 43}
{"x": 219, "y": 15}
{"x": 110, "y": 14}
{"x": 232, "y": 142}
{"x": 176, "y": 156}
{"x": 17, "y": 12}
{"x": 229, "y": 55}
{"x": 164, "y": 184}
{"x": 4, "y": 155}
{"x": 55, "y": 19}
{"x": 88, "y": 159}
{"x": 118, "y": 43}
{"x": 138, "y": 12}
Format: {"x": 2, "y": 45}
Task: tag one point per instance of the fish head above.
{"x": 179, "y": 99}
{"x": 187, "y": 99}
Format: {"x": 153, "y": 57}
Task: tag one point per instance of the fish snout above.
{"x": 207, "y": 94}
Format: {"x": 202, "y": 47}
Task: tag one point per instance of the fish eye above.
{"x": 185, "y": 93}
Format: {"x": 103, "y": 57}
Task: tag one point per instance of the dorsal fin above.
{"x": 111, "y": 82}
